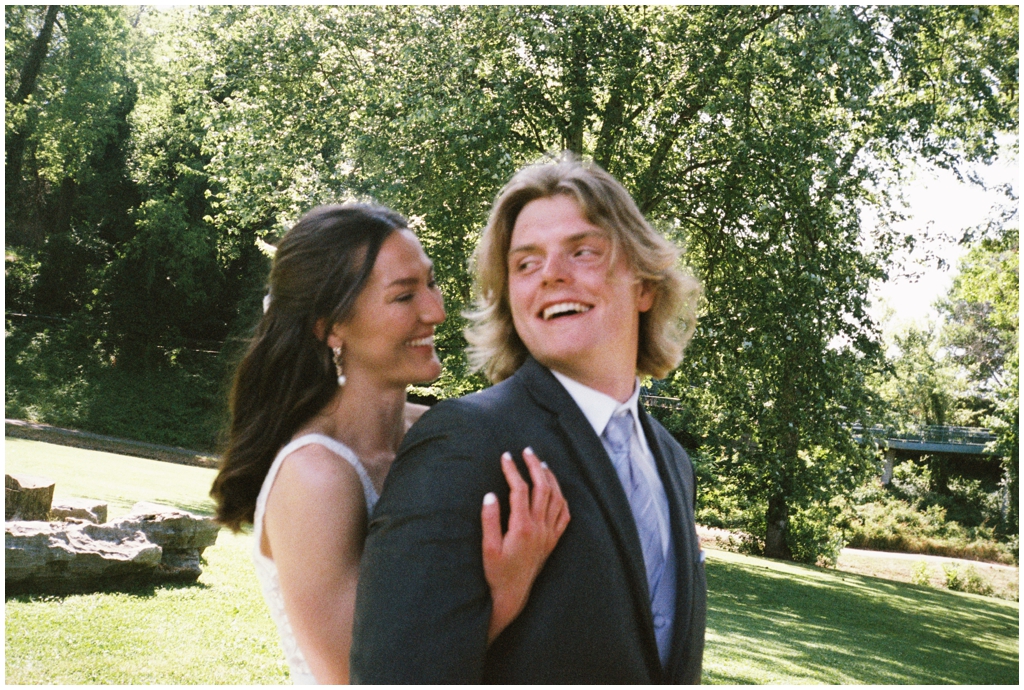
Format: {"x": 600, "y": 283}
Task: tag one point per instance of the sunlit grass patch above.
{"x": 776, "y": 622}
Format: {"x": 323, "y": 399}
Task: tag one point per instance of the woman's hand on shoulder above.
{"x": 537, "y": 519}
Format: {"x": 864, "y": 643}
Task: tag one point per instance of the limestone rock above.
{"x": 79, "y": 508}
{"x": 151, "y": 544}
{"x": 182, "y": 535}
{"x": 27, "y": 497}
{"x": 70, "y": 557}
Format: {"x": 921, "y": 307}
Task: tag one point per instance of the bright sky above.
{"x": 936, "y": 200}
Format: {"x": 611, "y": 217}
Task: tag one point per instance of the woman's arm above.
{"x": 535, "y": 524}
{"x": 315, "y": 525}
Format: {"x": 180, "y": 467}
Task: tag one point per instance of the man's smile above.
{"x": 564, "y": 309}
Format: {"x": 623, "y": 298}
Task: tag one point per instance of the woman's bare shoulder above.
{"x": 317, "y": 470}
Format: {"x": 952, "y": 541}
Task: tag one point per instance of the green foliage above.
{"x": 981, "y": 331}
{"x": 813, "y": 537}
{"x": 21, "y": 269}
{"x": 920, "y": 575}
{"x": 61, "y": 375}
{"x": 909, "y": 517}
{"x": 968, "y": 581}
{"x": 920, "y": 385}
{"x": 63, "y": 139}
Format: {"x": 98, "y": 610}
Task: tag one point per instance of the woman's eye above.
{"x": 407, "y": 297}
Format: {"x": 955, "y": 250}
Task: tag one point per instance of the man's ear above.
{"x": 645, "y": 298}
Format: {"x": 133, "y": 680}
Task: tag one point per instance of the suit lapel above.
{"x": 683, "y": 534}
{"x": 593, "y": 463}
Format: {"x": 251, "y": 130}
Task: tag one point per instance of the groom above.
{"x": 578, "y": 295}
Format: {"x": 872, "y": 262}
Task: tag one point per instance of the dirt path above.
{"x": 16, "y": 428}
{"x": 927, "y": 558}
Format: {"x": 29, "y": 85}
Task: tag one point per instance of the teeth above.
{"x": 420, "y": 342}
{"x": 563, "y": 308}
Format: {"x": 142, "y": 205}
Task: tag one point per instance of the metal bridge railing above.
{"x": 954, "y": 435}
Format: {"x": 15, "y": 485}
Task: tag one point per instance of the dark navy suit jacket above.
{"x": 423, "y": 605}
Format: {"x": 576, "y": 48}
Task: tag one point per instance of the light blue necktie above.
{"x": 620, "y": 440}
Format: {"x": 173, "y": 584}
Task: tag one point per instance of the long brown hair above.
{"x": 287, "y": 375}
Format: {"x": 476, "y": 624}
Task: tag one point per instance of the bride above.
{"x": 318, "y": 411}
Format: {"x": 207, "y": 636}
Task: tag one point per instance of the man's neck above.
{"x": 617, "y": 385}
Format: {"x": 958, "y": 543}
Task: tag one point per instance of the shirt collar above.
{"x": 598, "y": 407}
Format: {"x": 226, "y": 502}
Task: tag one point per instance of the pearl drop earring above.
{"x": 337, "y": 366}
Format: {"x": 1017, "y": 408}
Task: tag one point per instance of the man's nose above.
{"x": 555, "y": 268}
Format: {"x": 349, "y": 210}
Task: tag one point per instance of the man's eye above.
{"x": 406, "y": 297}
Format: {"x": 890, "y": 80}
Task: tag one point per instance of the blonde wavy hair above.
{"x": 494, "y": 346}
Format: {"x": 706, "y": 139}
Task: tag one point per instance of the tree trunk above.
{"x": 34, "y": 62}
{"x": 775, "y": 537}
{"x": 15, "y": 142}
{"x": 65, "y": 204}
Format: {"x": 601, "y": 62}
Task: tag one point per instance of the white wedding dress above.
{"x": 266, "y": 570}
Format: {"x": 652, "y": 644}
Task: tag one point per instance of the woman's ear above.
{"x": 336, "y": 338}
{"x": 319, "y": 328}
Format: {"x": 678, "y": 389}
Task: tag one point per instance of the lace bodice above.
{"x": 266, "y": 570}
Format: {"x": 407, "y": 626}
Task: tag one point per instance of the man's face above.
{"x": 576, "y": 311}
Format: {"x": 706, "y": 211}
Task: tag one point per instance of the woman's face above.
{"x": 389, "y": 337}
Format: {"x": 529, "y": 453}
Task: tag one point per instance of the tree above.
{"x": 752, "y": 134}
{"x": 68, "y": 100}
{"x": 981, "y": 332}
{"x": 920, "y": 386}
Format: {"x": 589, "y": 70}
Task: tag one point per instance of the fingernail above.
{"x": 544, "y": 465}
{"x": 490, "y": 499}
{"x": 529, "y": 450}
{"x": 506, "y": 456}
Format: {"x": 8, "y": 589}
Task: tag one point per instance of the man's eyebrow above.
{"x": 526, "y": 248}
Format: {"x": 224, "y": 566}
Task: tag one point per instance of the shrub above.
{"x": 21, "y": 269}
{"x": 65, "y": 377}
{"x": 953, "y": 579}
{"x": 896, "y": 526}
{"x": 919, "y": 575}
{"x": 813, "y": 537}
{"x": 969, "y": 580}
{"x": 908, "y": 517}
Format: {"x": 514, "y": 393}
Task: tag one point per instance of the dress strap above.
{"x": 333, "y": 445}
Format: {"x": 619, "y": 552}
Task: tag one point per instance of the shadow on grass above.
{"x": 138, "y": 590}
{"x": 834, "y": 627}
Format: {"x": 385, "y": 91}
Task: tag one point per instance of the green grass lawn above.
{"x": 119, "y": 480}
{"x": 777, "y": 622}
{"x": 768, "y": 621}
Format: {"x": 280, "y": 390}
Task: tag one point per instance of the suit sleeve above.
{"x": 423, "y": 605}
